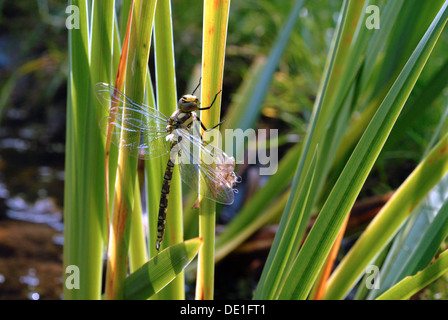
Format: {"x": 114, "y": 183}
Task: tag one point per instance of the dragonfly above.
{"x": 142, "y": 130}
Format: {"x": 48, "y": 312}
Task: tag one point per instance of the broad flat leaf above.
{"x": 160, "y": 270}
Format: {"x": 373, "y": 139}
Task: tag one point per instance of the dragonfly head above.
{"x": 188, "y": 103}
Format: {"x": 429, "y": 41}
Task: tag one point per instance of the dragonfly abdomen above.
{"x": 164, "y": 202}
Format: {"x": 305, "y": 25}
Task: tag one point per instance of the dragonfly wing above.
{"x": 108, "y": 94}
{"x": 207, "y": 165}
{"x": 137, "y": 129}
{"x": 136, "y": 142}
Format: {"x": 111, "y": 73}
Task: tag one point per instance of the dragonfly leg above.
{"x": 214, "y": 99}
{"x": 207, "y": 130}
{"x": 199, "y": 84}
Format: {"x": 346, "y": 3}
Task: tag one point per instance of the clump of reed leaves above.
{"x": 364, "y": 102}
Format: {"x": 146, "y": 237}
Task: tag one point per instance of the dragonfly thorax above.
{"x": 180, "y": 119}
{"x": 188, "y": 103}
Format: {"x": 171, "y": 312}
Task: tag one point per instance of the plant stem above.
{"x": 216, "y": 14}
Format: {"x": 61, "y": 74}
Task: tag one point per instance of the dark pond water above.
{"x": 31, "y": 193}
{"x": 33, "y": 42}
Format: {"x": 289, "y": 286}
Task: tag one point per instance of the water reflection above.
{"x": 4, "y": 193}
{"x": 15, "y": 144}
{"x": 32, "y": 281}
{"x": 42, "y": 211}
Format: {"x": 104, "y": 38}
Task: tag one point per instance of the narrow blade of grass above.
{"x": 216, "y": 16}
{"x": 139, "y": 44}
{"x": 138, "y": 253}
{"x": 411, "y": 285}
{"x": 84, "y": 211}
{"x": 167, "y": 104}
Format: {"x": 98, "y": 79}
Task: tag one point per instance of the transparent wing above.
{"x": 202, "y": 163}
{"x": 136, "y": 141}
{"x": 144, "y": 127}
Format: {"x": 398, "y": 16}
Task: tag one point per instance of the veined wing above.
{"x": 203, "y": 163}
{"x": 107, "y": 93}
{"x": 139, "y": 129}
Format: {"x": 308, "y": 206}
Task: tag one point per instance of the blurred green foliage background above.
{"x": 33, "y": 73}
